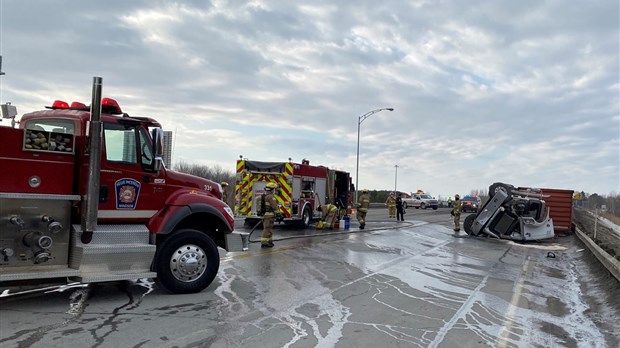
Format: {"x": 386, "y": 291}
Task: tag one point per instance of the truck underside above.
{"x": 511, "y": 214}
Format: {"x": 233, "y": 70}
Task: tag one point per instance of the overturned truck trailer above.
{"x": 518, "y": 214}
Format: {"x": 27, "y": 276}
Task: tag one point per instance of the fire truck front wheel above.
{"x": 187, "y": 262}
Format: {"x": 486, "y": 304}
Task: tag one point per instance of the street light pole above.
{"x": 395, "y": 178}
{"x": 361, "y": 119}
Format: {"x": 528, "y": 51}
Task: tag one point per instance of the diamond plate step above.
{"x": 114, "y": 249}
{"x": 113, "y": 234}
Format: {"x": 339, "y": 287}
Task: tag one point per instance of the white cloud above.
{"x": 524, "y": 92}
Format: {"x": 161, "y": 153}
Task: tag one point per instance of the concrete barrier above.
{"x": 607, "y": 260}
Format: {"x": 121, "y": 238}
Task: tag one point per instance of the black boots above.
{"x": 267, "y": 245}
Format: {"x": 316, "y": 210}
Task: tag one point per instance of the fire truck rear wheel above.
{"x": 306, "y": 217}
{"x": 469, "y": 223}
{"x": 187, "y": 262}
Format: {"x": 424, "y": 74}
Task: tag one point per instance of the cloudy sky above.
{"x": 524, "y": 92}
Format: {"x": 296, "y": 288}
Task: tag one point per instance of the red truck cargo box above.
{"x": 560, "y": 205}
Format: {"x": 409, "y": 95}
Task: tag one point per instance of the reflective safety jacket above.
{"x": 363, "y": 203}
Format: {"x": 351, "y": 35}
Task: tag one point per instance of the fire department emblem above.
{"x": 127, "y": 192}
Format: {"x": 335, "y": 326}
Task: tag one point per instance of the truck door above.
{"x": 129, "y": 191}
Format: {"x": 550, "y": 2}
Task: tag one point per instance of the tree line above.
{"x": 218, "y": 174}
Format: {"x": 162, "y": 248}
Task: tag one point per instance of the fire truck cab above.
{"x": 84, "y": 196}
{"x": 301, "y": 189}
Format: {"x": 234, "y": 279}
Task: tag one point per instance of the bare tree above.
{"x": 215, "y": 173}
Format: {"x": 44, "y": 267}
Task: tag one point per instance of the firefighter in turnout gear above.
{"x": 269, "y": 208}
{"x": 457, "y": 206}
{"x": 391, "y": 204}
{"x": 363, "y": 203}
{"x": 328, "y": 213}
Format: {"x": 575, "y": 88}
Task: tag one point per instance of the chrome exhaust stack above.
{"x": 90, "y": 201}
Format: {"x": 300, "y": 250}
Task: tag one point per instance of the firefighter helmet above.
{"x": 365, "y": 190}
{"x": 224, "y": 183}
{"x": 270, "y": 186}
{"x": 456, "y": 196}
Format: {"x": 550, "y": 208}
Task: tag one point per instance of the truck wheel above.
{"x": 306, "y": 218}
{"x": 498, "y": 186}
{"x": 187, "y": 262}
{"x": 434, "y": 207}
{"x": 469, "y": 223}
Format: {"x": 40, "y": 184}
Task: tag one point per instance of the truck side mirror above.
{"x": 158, "y": 148}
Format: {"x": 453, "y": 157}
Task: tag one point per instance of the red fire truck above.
{"x": 84, "y": 197}
{"x": 302, "y": 188}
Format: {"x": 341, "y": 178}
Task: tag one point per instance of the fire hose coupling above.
{"x": 53, "y": 226}
{"x": 16, "y": 220}
{"x": 39, "y": 244}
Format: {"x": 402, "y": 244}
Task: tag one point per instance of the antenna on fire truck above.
{"x": 7, "y": 111}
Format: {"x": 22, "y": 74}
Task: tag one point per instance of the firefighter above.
{"x": 456, "y": 212}
{"x": 391, "y": 204}
{"x": 269, "y": 208}
{"x": 224, "y": 191}
{"x": 328, "y": 213}
{"x": 449, "y": 202}
{"x": 363, "y": 203}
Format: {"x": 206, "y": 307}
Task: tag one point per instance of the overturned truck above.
{"x": 518, "y": 214}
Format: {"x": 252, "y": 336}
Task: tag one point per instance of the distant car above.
{"x": 407, "y": 200}
{"x": 423, "y": 200}
{"x": 470, "y": 204}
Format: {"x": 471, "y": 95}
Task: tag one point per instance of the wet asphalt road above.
{"x": 409, "y": 284}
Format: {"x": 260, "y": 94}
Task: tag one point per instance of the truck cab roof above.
{"x": 65, "y": 117}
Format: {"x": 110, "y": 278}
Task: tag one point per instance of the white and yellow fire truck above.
{"x": 301, "y": 189}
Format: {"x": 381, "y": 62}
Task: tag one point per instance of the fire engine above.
{"x": 302, "y": 188}
{"x": 84, "y": 196}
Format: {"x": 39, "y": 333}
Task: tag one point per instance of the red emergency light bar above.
{"x": 108, "y": 106}
{"x": 59, "y": 104}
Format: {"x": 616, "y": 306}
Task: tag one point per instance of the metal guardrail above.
{"x": 607, "y": 260}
